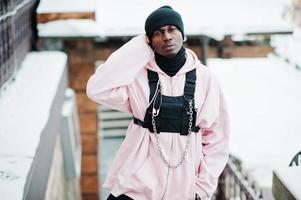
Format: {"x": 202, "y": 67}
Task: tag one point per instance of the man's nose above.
{"x": 166, "y": 35}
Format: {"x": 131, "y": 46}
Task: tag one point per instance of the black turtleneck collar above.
{"x": 171, "y": 65}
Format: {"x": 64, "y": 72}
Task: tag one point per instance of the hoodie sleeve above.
{"x": 215, "y": 139}
{"x": 108, "y": 85}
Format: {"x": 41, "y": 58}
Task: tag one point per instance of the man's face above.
{"x": 167, "y": 41}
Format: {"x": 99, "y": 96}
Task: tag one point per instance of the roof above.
{"x": 118, "y": 18}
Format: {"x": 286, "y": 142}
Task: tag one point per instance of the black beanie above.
{"x": 163, "y": 16}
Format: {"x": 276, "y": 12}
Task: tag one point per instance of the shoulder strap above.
{"x": 189, "y": 88}
{"x": 153, "y": 79}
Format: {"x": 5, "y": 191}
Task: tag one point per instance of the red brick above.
{"x": 89, "y": 184}
{"x": 103, "y": 53}
{"x": 89, "y": 143}
{"x": 85, "y": 104}
{"x": 88, "y": 123}
{"x": 247, "y": 51}
{"x": 90, "y": 196}
{"x": 212, "y": 52}
{"x": 79, "y": 76}
{"x": 81, "y": 56}
{"x": 89, "y": 164}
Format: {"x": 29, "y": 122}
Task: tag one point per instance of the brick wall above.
{"x": 220, "y": 50}
{"x": 81, "y": 67}
{"x": 246, "y": 51}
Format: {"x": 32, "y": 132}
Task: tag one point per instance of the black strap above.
{"x": 153, "y": 79}
{"x": 145, "y": 125}
{"x": 120, "y": 197}
{"x": 189, "y": 88}
{"x": 140, "y": 122}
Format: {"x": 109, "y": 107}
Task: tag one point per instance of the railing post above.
{"x": 221, "y": 191}
{"x": 205, "y": 48}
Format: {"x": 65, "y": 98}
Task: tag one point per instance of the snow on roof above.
{"x": 70, "y": 28}
{"x": 213, "y": 18}
{"x": 290, "y": 177}
{"x": 264, "y": 104}
{"x": 208, "y": 17}
{"x": 59, "y": 6}
{"x": 25, "y": 104}
{"x": 289, "y": 46}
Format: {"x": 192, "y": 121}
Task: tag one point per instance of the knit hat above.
{"x": 163, "y": 16}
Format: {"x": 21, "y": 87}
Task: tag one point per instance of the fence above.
{"x": 234, "y": 183}
{"x": 15, "y": 34}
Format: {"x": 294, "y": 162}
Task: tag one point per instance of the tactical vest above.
{"x": 172, "y": 113}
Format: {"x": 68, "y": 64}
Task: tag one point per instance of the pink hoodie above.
{"x": 138, "y": 170}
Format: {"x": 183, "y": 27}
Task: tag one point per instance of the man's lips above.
{"x": 168, "y": 46}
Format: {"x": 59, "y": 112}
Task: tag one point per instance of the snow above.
{"x": 213, "y": 18}
{"x": 289, "y": 47}
{"x": 291, "y": 179}
{"x": 116, "y": 18}
{"x": 59, "y": 6}
{"x": 13, "y": 174}
{"x": 25, "y": 103}
{"x": 263, "y": 99}
{"x": 70, "y": 28}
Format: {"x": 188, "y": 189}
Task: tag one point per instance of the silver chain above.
{"x": 187, "y": 138}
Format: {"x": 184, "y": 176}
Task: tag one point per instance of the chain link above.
{"x": 171, "y": 166}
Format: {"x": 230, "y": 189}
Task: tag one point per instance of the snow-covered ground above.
{"x": 25, "y": 103}
{"x": 264, "y": 99}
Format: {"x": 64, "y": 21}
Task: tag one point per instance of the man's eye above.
{"x": 157, "y": 33}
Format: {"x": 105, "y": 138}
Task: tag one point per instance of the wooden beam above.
{"x": 46, "y": 17}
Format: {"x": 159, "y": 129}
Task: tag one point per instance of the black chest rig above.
{"x": 171, "y": 114}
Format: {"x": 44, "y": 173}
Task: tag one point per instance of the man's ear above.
{"x": 147, "y": 40}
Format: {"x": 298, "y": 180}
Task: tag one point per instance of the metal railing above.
{"x": 235, "y": 184}
{"x": 15, "y": 34}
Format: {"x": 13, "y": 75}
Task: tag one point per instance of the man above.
{"x": 177, "y": 145}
